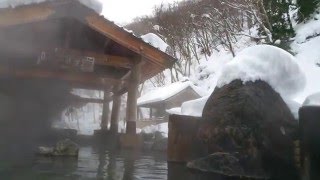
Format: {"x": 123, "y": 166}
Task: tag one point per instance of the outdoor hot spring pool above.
{"x": 97, "y": 163}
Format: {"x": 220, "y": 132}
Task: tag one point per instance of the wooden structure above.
{"x": 158, "y": 106}
{"x": 67, "y": 41}
{"x": 309, "y": 117}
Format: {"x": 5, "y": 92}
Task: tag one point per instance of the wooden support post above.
{"x": 115, "y": 114}
{"x": 131, "y": 115}
{"x": 105, "y": 112}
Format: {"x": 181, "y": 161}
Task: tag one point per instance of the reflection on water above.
{"x": 98, "y": 163}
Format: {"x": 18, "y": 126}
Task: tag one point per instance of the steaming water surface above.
{"x": 97, "y": 163}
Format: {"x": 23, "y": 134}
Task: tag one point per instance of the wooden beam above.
{"x": 131, "y": 115}
{"x": 105, "y": 112}
{"x": 100, "y": 58}
{"x": 115, "y": 114}
{"x": 61, "y": 75}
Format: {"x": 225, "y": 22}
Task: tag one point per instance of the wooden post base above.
{"x": 131, "y": 127}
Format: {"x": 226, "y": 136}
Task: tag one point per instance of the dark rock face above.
{"x": 252, "y": 120}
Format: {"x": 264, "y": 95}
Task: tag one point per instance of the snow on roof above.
{"x": 312, "y": 100}
{"x": 96, "y": 5}
{"x": 163, "y": 93}
{"x": 267, "y": 63}
{"x": 155, "y": 41}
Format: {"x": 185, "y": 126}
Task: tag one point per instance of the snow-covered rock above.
{"x": 93, "y": 4}
{"x": 268, "y": 63}
{"x": 194, "y": 107}
{"x": 155, "y": 41}
{"x": 312, "y": 100}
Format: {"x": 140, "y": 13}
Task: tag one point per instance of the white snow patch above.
{"x": 312, "y": 100}
{"x": 156, "y": 27}
{"x": 96, "y": 5}
{"x": 163, "y": 128}
{"x": 308, "y": 55}
{"x": 267, "y": 63}
{"x": 163, "y": 93}
{"x": 194, "y": 108}
{"x": 308, "y": 29}
{"x": 176, "y": 110}
{"x": 294, "y": 107}
{"x": 155, "y": 41}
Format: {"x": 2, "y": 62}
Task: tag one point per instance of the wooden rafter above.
{"x": 100, "y": 58}
{"x": 85, "y": 78}
{"x": 126, "y": 39}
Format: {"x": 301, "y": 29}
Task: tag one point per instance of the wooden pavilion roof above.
{"x": 37, "y": 40}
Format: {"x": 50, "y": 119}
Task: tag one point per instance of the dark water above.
{"x": 98, "y": 163}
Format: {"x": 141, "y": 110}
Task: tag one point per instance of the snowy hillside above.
{"x": 307, "y": 56}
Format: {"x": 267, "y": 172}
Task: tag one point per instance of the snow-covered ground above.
{"x": 306, "y": 46}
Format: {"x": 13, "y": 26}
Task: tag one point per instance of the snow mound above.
{"x": 96, "y": 5}
{"x": 163, "y": 93}
{"x": 194, "y": 108}
{"x": 267, "y": 63}
{"x": 312, "y": 100}
{"x": 155, "y": 41}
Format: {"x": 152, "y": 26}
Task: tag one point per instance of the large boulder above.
{"x": 253, "y": 121}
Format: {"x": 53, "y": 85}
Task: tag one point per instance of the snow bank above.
{"x": 268, "y": 63}
{"x": 312, "y": 100}
{"x": 194, "y": 107}
{"x": 163, "y": 128}
{"x": 163, "y": 93}
{"x": 308, "y": 29}
{"x": 306, "y": 46}
{"x": 155, "y": 41}
{"x": 93, "y": 4}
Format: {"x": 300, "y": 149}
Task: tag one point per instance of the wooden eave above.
{"x": 156, "y": 60}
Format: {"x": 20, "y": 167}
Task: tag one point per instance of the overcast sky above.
{"x": 124, "y": 11}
